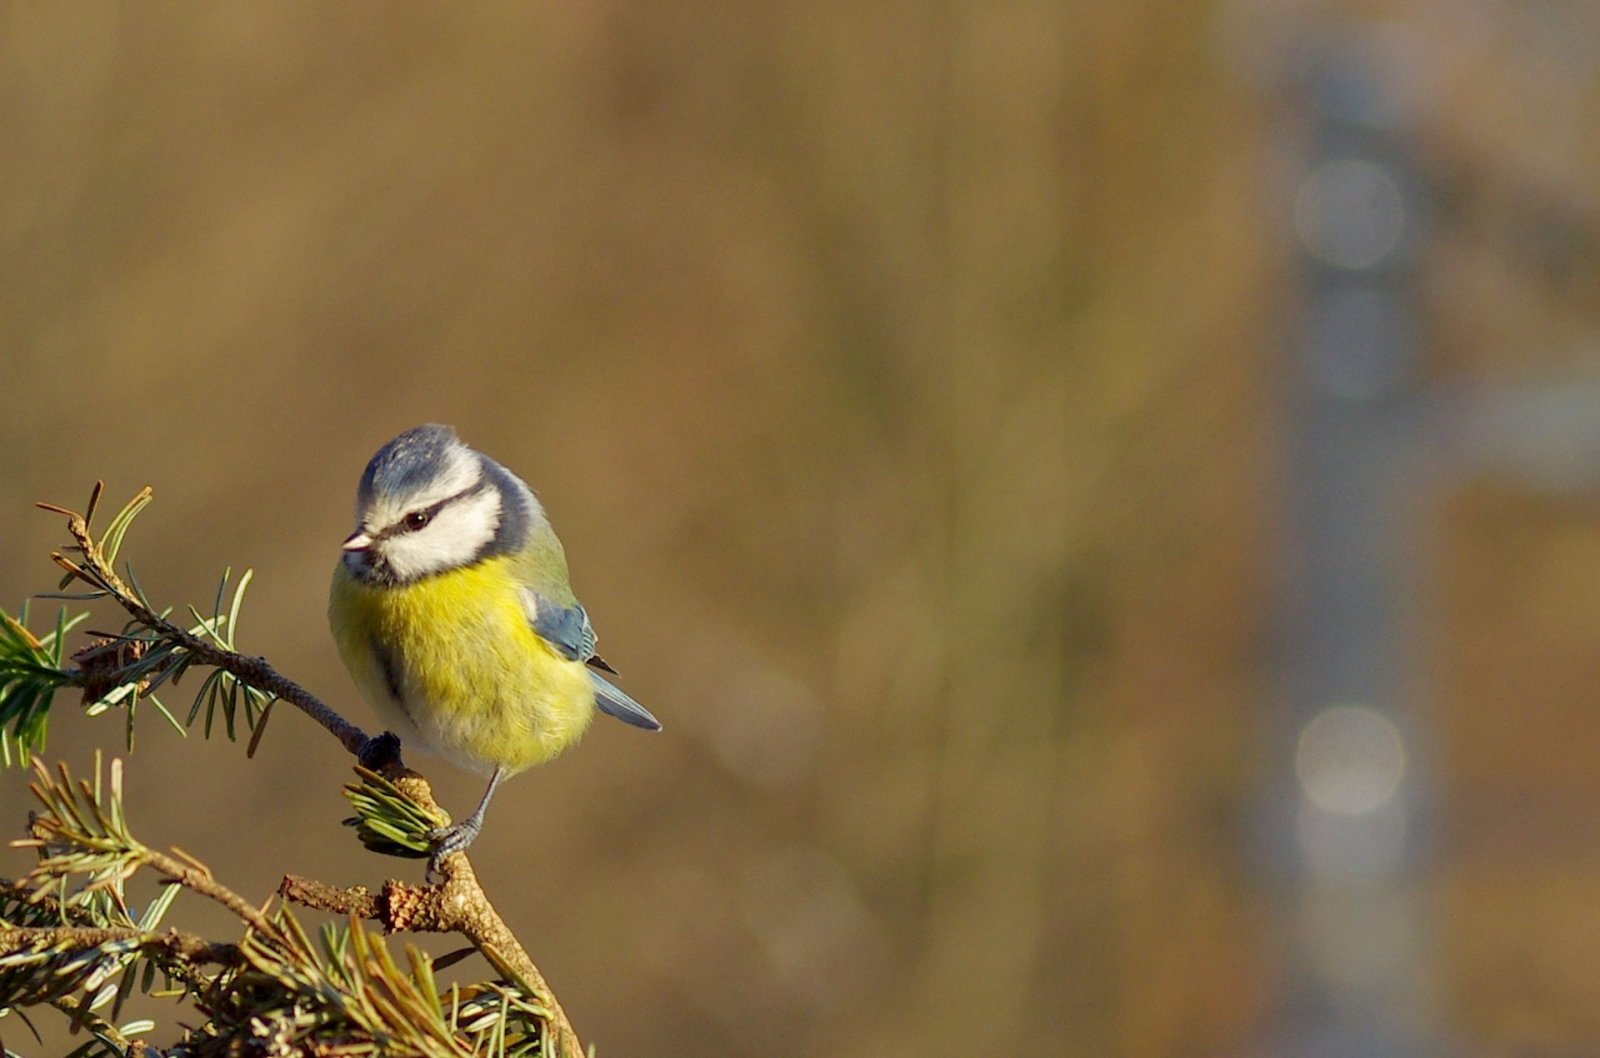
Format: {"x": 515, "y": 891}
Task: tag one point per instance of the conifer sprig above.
{"x": 387, "y": 820}
{"x": 80, "y": 947}
{"x": 124, "y": 668}
{"x": 71, "y": 940}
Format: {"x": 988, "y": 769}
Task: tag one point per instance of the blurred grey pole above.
{"x": 1345, "y": 810}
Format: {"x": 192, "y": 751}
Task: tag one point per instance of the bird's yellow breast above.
{"x": 453, "y": 662}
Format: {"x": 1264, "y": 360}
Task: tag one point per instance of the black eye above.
{"x": 416, "y": 520}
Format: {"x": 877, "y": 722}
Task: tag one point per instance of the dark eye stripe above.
{"x": 410, "y": 523}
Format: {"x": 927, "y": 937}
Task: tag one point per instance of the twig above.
{"x": 27, "y": 894}
{"x": 189, "y": 950}
{"x": 463, "y": 906}
{"x": 188, "y": 946}
{"x": 75, "y": 1009}
{"x": 457, "y": 905}
{"x": 320, "y": 896}
{"x": 98, "y": 574}
{"x": 193, "y": 876}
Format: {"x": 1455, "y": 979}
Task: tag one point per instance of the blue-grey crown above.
{"x": 407, "y": 463}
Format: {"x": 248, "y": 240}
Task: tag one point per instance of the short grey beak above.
{"x": 357, "y": 541}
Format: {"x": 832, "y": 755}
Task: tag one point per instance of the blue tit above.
{"x": 452, "y": 610}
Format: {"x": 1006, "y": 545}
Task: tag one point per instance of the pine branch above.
{"x": 118, "y": 1043}
{"x": 65, "y": 946}
{"x": 176, "y": 943}
{"x": 96, "y": 571}
{"x": 154, "y": 650}
{"x": 449, "y": 907}
{"x": 399, "y": 811}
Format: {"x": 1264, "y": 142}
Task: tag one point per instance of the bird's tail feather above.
{"x": 614, "y": 702}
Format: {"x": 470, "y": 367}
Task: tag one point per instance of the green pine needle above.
{"x": 386, "y": 820}
{"x": 31, "y": 672}
{"x": 129, "y": 667}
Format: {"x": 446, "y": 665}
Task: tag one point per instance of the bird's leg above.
{"x": 458, "y": 836}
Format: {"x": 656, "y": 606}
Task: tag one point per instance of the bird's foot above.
{"x": 450, "y": 840}
{"x": 379, "y": 752}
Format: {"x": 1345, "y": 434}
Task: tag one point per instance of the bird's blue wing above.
{"x": 566, "y": 628}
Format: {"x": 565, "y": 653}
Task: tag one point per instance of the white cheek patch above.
{"x": 457, "y": 534}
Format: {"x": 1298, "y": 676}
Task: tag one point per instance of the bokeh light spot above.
{"x": 1349, "y": 213}
{"x": 1350, "y": 759}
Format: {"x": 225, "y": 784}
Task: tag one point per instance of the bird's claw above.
{"x": 447, "y": 841}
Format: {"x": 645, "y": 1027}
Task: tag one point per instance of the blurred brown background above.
{"x": 907, "y": 383}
